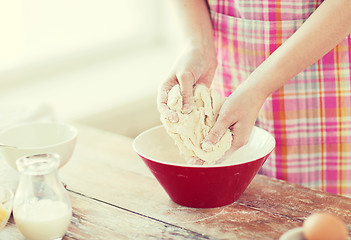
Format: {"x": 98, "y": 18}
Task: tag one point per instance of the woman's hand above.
{"x": 198, "y": 62}
{"x": 195, "y": 65}
{"x": 238, "y": 113}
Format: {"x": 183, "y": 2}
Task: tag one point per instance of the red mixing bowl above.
{"x": 202, "y": 186}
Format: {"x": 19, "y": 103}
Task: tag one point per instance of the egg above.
{"x": 324, "y": 226}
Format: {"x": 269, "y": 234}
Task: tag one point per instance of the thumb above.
{"x": 215, "y": 135}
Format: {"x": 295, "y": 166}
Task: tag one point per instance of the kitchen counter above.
{"x": 115, "y": 196}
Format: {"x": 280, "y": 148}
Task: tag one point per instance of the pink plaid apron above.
{"x": 310, "y": 117}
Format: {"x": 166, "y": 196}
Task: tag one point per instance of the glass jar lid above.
{"x": 38, "y": 164}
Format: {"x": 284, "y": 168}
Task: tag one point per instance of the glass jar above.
{"x": 42, "y": 208}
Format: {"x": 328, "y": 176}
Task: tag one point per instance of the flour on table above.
{"x": 192, "y": 128}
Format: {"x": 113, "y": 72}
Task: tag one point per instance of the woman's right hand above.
{"x": 196, "y": 65}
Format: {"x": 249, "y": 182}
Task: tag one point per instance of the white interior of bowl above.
{"x": 34, "y": 135}
{"x": 155, "y": 144}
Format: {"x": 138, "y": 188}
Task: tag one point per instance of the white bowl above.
{"x": 37, "y": 138}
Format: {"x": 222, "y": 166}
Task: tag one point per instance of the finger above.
{"x": 162, "y": 99}
{"x": 186, "y": 81}
{"x": 240, "y": 138}
{"x": 215, "y": 134}
{"x": 241, "y": 134}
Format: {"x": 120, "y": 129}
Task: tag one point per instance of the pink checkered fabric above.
{"x": 310, "y": 117}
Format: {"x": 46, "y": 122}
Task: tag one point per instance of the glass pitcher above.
{"x": 42, "y": 208}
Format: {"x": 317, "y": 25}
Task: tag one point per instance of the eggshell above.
{"x": 324, "y": 226}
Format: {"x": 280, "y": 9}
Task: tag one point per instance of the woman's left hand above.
{"x": 238, "y": 113}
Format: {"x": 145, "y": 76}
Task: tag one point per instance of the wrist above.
{"x": 267, "y": 79}
{"x": 204, "y": 48}
{"x": 250, "y": 88}
{"x": 203, "y": 42}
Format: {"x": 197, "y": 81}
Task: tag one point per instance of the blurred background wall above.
{"x": 92, "y": 62}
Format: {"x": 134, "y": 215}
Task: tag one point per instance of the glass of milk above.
{"x": 42, "y": 208}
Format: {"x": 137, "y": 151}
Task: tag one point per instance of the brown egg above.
{"x": 324, "y": 226}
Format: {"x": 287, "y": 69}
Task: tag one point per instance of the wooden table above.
{"x": 114, "y": 196}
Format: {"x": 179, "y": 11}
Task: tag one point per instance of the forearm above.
{"x": 322, "y": 31}
{"x": 195, "y": 21}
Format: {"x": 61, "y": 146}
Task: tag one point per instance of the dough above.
{"x": 192, "y": 128}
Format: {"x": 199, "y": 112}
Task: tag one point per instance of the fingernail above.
{"x": 207, "y": 146}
